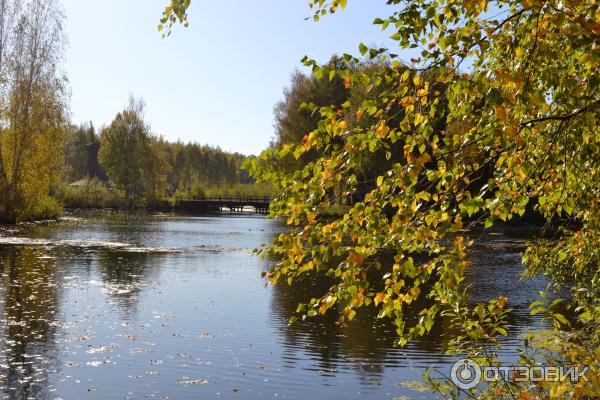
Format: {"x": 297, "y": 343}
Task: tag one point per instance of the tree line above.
{"x": 144, "y": 167}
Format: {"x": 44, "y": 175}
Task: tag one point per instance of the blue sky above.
{"x": 215, "y": 82}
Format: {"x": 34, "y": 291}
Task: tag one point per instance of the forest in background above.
{"x": 138, "y": 168}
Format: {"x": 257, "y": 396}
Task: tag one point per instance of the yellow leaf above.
{"x": 383, "y": 130}
{"x": 424, "y": 158}
{"x": 418, "y": 118}
{"x": 500, "y": 113}
{"x": 522, "y": 174}
{"x": 502, "y": 301}
{"x": 512, "y": 130}
{"x": 323, "y": 309}
{"x": 519, "y": 52}
{"x": 347, "y": 82}
{"x": 380, "y": 298}
{"x": 356, "y": 258}
{"x": 405, "y": 75}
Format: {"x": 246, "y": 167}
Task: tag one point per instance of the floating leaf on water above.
{"x": 129, "y": 336}
{"x": 415, "y": 386}
{"x": 545, "y": 338}
{"x": 193, "y": 382}
{"x": 102, "y": 349}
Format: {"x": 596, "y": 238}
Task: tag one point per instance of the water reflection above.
{"x": 366, "y": 344}
{"x": 118, "y": 306}
{"x": 124, "y": 276}
{"x": 30, "y": 299}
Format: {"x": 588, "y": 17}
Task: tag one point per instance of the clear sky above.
{"x": 213, "y": 83}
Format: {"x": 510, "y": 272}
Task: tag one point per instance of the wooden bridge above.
{"x": 233, "y": 204}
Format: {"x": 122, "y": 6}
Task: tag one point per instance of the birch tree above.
{"x": 32, "y": 107}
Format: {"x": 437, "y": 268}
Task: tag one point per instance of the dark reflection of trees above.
{"x": 369, "y": 342}
{"x": 365, "y": 344}
{"x": 29, "y": 289}
{"x": 124, "y": 275}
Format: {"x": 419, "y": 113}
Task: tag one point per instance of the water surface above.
{"x": 111, "y": 306}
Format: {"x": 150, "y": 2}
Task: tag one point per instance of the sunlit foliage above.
{"x": 515, "y": 137}
{"x": 195, "y": 168}
{"x": 133, "y": 158}
{"x": 175, "y": 12}
{"x": 32, "y": 108}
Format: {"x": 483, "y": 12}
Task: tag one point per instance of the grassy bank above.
{"x": 91, "y": 194}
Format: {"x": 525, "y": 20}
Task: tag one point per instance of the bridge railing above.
{"x": 236, "y": 199}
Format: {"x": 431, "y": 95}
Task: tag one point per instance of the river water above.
{"x": 116, "y": 306}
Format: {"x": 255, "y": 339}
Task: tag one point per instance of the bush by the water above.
{"x": 90, "y": 194}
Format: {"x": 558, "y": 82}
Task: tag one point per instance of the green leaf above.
{"x": 351, "y": 315}
{"x": 363, "y": 49}
{"x": 501, "y": 331}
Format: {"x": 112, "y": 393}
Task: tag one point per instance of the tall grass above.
{"x": 92, "y": 194}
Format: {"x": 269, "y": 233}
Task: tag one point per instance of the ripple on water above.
{"x": 85, "y": 244}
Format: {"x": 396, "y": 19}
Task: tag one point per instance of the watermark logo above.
{"x": 467, "y": 374}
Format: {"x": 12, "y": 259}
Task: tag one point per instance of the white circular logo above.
{"x": 465, "y": 374}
